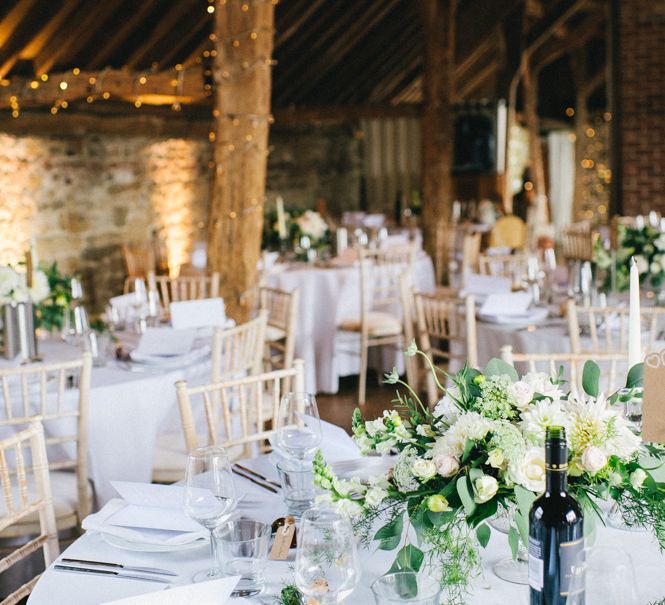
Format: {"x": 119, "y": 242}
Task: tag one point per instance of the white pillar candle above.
{"x": 634, "y": 335}
{"x": 281, "y": 218}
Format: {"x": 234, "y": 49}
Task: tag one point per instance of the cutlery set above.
{"x": 115, "y": 570}
{"x": 256, "y": 478}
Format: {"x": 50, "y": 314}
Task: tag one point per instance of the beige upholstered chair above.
{"x": 139, "y": 261}
{"x": 189, "y": 287}
{"x": 57, "y": 394}
{"x": 607, "y": 328}
{"x": 446, "y": 331}
{"x": 282, "y": 309}
{"x": 577, "y": 241}
{"x": 573, "y": 365}
{"x": 237, "y": 411}
{"x": 380, "y": 321}
{"x": 503, "y": 265}
{"x": 26, "y": 496}
{"x": 236, "y": 353}
{"x": 508, "y": 232}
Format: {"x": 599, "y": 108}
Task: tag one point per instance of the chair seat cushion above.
{"x": 274, "y": 333}
{"x": 64, "y": 490}
{"x": 378, "y": 324}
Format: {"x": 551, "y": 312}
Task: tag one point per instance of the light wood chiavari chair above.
{"x": 282, "y": 308}
{"x": 512, "y": 266}
{"x": 186, "y": 287}
{"x": 381, "y": 313}
{"x": 57, "y": 394}
{"x": 573, "y": 366}
{"x": 446, "y": 332}
{"x": 577, "y": 241}
{"x": 607, "y": 328}
{"x": 238, "y": 412}
{"x": 26, "y": 491}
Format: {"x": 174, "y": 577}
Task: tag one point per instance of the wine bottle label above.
{"x": 568, "y": 561}
{"x": 536, "y": 564}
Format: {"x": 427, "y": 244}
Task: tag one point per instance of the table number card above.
{"x": 283, "y": 538}
{"x": 653, "y": 404}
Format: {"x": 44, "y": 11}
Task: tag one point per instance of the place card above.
{"x": 653, "y": 406}
{"x": 213, "y": 592}
{"x": 283, "y": 538}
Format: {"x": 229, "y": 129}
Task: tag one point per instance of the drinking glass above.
{"x": 603, "y": 577}
{"x": 327, "y": 563}
{"x": 298, "y": 425}
{"x": 406, "y": 587}
{"x": 297, "y": 486}
{"x": 210, "y": 496}
{"x": 139, "y": 302}
{"x": 242, "y": 550}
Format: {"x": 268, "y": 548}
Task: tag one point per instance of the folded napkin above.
{"x": 197, "y": 313}
{"x": 214, "y": 592}
{"x": 510, "y": 304}
{"x": 147, "y": 513}
{"x": 476, "y": 284}
{"x": 165, "y": 342}
{"x": 172, "y": 361}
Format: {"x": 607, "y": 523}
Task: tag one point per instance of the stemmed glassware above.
{"x": 210, "y": 496}
{"x": 298, "y": 425}
{"x": 139, "y": 303}
{"x": 603, "y": 577}
{"x": 327, "y": 562}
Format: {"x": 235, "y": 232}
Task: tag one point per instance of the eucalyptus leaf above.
{"x": 591, "y": 378}
{"x": 635, "y": 376}
{"x": 522, "y": 522}
{"x": 483, "y": 534}
{"x": 409, "y": 558}
{"x": 390, "y": 534}
{"x": 514, "y": 541}
{"x": 524, "y": 499}
{"x": 465, "y": 496}
{"x": 499, "y": 367}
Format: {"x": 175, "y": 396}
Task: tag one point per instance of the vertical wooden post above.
{"x": 437, "y": 121}
{"x": 244, "y": 43}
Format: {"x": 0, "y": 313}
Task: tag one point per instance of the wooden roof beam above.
{"x": 13, "y": 19}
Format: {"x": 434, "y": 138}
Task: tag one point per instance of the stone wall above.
{"x": 82, "y": 197}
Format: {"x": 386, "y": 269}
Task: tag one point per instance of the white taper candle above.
{"x": 634, "y": 332}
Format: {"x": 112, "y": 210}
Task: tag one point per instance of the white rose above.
{"x": 485, "y": 488}
{"x": 495, "y": 458}
{"x": 593, "y": 459}
{"x": 446, "y": 465}
{"x": 21, "y": 294}
{"x": 374, "y": 426}
{"x": 637, "y": 478}
{"x": 40, "y": 288}
{"x": 447, "y": 410}
{"x": 9, "y": 280}
{"x": 423, "y": 469}
{"x": 375, "y": 496}
{"x": 660, "y": 242}
{"x": 541, "y": 383}
{"x": 530, "y": 473}
{"x": 523, "y": 393}
{"x": 642, "y": 264}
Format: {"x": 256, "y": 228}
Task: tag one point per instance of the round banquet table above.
{"x": 127, "y": 410}
{"x": 329, "y": 295}
{"x": 78, "y": 589}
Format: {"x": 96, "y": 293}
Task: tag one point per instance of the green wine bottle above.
{"x": 556, "y": 534}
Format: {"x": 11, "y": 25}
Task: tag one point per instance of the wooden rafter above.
{"x": 14, "y": 17}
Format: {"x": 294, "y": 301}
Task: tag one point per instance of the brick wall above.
{"x": 641, "y": 65}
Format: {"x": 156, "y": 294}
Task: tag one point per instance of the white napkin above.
{"x": 508, "y": 305}
{"x": 476, "y": 284}
{"x": 214, "y": 592}
{"x": 151, "y": 514}
{"x": 198, "y": 313}
{"x": 122, "y": 304}
{"x": 165, "y": 342}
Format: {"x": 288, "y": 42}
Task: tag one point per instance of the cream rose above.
{"x": 523, "y": 393}
{"x": 495, "y": 458}
{"x": 593, "y": 459}
{"x": 423, "y": 469}
{"x": 446, "y": 465}
{"x": 485, "y": 488}
{"x": 637, "y": 478}
{"x": 530, "y": 473}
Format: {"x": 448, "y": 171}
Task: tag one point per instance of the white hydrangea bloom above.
{"x": 447, "y": 410}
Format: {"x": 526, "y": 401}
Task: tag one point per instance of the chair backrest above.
{"x": 573, "y": 365}
{"x": 446, "y": 332}
{"x": 58, "y": 395}
{"x": 380, "y": 274}
{"x": 577, "y": 241}
{"x": 139, "y": 260}
{"x": 508, "y": 232}
{"x": 239, "y": 351}
{"x": 607, "y": 328}
{"x": 237, "y": 411}
{"x": 186, "y": 287}
{"x": 503, "y": 265}
{"x": 471, "y": 251}
{"x": 26, "y": 489}
{"x": 445, "y": 247}
{"x": 282, "y": 308}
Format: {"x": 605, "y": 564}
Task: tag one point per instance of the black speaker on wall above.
{"x": 480, "y": 137}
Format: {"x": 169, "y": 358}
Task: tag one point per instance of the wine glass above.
{"x": 327, "y": 562}
{"x": 139, "y": 301}
{"x": 603, "y": 577}
{"x": 298, "y": 425}
{"x": 210, "y": 496}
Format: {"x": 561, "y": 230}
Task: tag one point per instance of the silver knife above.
{"x": 249, "y": 471}
{"x": 108, "y": 573}
{"x": 162, "y": 572}
{"x": 235, "y": 471}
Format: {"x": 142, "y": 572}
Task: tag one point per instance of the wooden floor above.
{"x": 339, "y": 407}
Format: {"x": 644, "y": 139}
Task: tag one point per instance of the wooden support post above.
{"x": 244, "y": 42}
{"x": 437, "y": 122}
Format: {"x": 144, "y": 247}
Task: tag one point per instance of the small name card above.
{"x": 653, "y": 404}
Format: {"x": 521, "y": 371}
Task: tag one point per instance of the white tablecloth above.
{"x": 56, "y": 588}
{"x": 327, "y": 296}
{"x": 127, "y": 411}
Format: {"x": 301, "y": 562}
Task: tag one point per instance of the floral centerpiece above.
{"x": 481, "y": 452}
{"x": 647, "y": 245}
{"x": 14, "y": 286}
{"x": 298, "y": 223}
{"x": 51, "y": 309}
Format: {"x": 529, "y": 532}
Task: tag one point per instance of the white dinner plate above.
{"x": 147, "y": 547}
